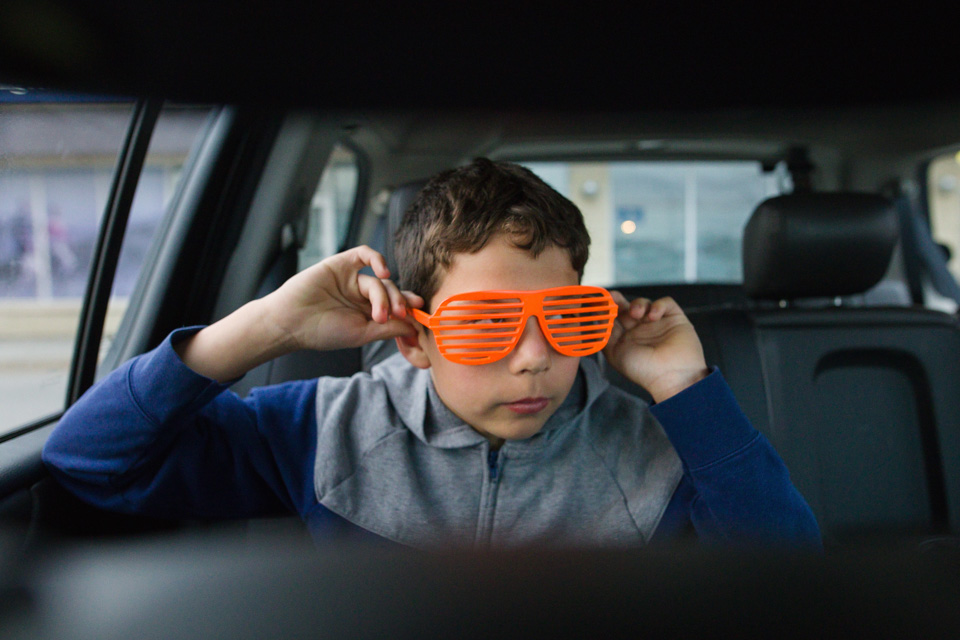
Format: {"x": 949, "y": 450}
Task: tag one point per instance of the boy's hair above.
{"x": 460, "y": 210}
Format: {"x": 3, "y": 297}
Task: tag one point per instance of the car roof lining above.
{"x": 749, "y": 133}
{"x": 640, "y": 57}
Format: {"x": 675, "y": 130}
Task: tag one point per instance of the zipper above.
{"x": 493, "y": 463}
{"x": 488, "y": 502}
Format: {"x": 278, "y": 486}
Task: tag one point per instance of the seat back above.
{"x": 861, "y": 402}
{"x": 863, "y": 405}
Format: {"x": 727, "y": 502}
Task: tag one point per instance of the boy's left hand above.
{"x": 654, "y": 345}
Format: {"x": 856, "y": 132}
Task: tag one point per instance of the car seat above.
{"x": 861, "y": 402}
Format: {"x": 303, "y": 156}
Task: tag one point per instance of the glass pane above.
{"x": 662, "y": 222}
{"x": 726, "y": 195}
{"x": 57, "y": 158}
{"x": 331, "y": 207}
{"x": 943, "y": 189}
{"x": 649, "y": 203}
{"x": 179, "y": 130}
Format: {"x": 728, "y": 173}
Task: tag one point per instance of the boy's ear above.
{"x": 412, "y": 350}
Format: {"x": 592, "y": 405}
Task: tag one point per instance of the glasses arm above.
{"x": 421, "y": 317}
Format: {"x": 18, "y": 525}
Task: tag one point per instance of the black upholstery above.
{"x": 300, "y": 365}
{"x": 861, "y": 403}
{"x": 304, "y": 365}
{"x": 400, "y": 200}
{"x": 690, "y": 295}
{"x": 818, "y": 245}
{"x": 865, "y": 402}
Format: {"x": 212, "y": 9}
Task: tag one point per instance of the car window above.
{"x": 943, "y": 198}
{"x": 178, "y": 132}
{"x": 663, "y": 222}
{"x": 331, "y": 207}
{"x": 57, "y": 159}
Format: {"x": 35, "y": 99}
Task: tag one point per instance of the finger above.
{"x": 392, "y": 328}
{"x": 620, "y": 299}
{"x": 413, "y": 300}
{"x": 625, "y": 316}
{"x": 639, "y": 308}
{"x": 661, "y": 308}
{"x": 374, "y": 259}
{"x": 398, "y": 304}
{"x": 616, "y": 332}
{"x": 374, "y": 290}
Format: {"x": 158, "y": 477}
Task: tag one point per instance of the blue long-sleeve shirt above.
{"x": 380, "y": 453}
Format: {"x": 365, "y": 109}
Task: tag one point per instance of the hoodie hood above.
{"x": 414, "y": 396}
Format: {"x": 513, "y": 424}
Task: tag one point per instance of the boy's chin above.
{"x": 519, "y": 428}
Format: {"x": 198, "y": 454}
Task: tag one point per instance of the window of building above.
{"x": 663, "y": 222}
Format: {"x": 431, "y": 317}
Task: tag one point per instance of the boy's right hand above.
{"x": 331, "y": 305}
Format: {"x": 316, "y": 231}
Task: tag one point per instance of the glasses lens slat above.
{"x": 576, "y": 301}
{"x": 586, "y": 320}
{"x": 477, "y": 305}
{"x": 472, "y": 326}
{"x": 460, "y": 343}
{"x": 461, "y": 359}
{"x": 469, "y": 349}
{"x": 566, "y": 332}
{"x": 574, "y": 340}
{"x": 586, "y": 349}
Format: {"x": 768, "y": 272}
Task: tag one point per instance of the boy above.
{"x": 531, "y": 446}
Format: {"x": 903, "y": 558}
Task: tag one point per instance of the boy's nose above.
{"x": 532, "y": 353}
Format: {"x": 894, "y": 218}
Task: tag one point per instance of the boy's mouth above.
{"x": 528, "y": 406}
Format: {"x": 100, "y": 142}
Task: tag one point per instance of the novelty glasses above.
{"x": 484, "y": 326}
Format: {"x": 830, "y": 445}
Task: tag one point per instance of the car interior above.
{"x": 838, "y": 332}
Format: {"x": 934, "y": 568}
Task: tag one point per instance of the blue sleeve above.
{"x": 158, "y": 439}
{"x": 735, "y": 487}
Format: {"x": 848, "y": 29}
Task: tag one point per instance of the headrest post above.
{"x": 801, "y": 169}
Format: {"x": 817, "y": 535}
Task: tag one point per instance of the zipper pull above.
{"x": 493, "y": 462}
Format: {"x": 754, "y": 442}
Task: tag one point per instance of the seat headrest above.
{"x": 818, "y": 245}
{"x": 400, "y": 200}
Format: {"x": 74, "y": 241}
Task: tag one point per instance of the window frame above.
{"x": 355, "y": 226}
{"x": 106, "y": 255}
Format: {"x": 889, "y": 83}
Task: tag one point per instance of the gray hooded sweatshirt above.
{"x": 601, "y": 471}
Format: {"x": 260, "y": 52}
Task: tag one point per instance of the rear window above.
{"x": 663, "y": 222}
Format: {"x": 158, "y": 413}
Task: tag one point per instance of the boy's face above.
{"x": 512, "y": 397}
